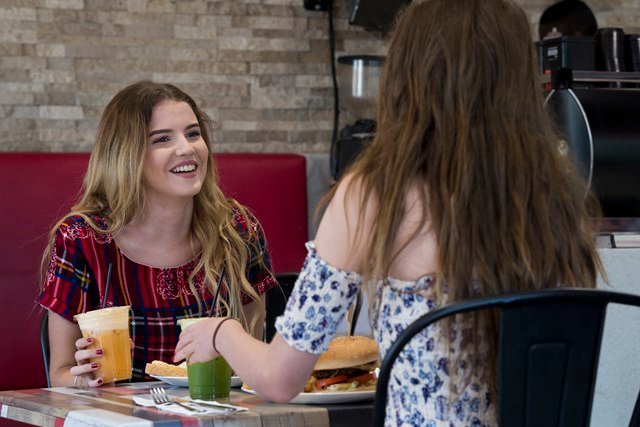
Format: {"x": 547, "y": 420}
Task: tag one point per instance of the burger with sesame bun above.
{"x": 347, "y": 365}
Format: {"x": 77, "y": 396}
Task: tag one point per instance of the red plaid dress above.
{"x": 158, "y": 297}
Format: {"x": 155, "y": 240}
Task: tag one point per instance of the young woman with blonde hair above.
{"x": 463, "y": 193}
{"x": 152, "y": 214}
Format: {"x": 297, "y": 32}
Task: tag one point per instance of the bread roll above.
{"x": 163, "y": 369}
{"x": 348, "y": 352}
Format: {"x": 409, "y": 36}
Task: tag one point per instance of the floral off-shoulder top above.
{"x": 419, "y": 388}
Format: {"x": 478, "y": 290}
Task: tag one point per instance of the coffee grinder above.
{"x": 358, "y": 87}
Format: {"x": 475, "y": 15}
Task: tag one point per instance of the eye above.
{"x": 161, "y": 139}
{"x": 194, "y": 134}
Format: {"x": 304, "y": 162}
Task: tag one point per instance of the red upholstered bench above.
{"x": 37, "y": 188}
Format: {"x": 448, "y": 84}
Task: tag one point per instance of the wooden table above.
{"x": 113, "y": 406}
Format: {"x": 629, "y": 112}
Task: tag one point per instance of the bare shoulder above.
{"x": 348, "y": 203}
{"x": 340, "y": 237}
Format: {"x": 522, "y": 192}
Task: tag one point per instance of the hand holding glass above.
{"x": 207, "y": 380}
{"x": 109, "y": 328}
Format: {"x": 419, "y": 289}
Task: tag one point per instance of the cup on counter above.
{"x": 610, "y": 49}
{"x": 207, "y": 380}
{"x": 632, "y": 44}
{"x": 109, "y": 328}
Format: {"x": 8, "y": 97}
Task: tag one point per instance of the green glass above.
{"x": 209, "y": 380}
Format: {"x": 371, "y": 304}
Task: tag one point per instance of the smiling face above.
{"x": 175, "y": 162}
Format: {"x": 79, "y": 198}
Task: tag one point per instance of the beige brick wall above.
{"x": 259, "y": 67}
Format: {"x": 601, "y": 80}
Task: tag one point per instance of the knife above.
{"x": 216, "y": 406}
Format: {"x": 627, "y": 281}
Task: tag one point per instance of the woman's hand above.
{"x": 196, "y": 342}
{"x": 84, "y": 369}
{"x": 69, "y": 363}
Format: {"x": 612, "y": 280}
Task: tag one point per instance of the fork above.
{"x": 159, "y": 396}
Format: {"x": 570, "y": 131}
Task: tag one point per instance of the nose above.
{"x": 184, "y": 147}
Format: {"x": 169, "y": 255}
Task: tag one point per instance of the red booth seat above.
{"x": 36, "y": 189}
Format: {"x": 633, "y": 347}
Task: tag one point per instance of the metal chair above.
{"x": 548, "y": 346}
{"x": 44, "y": 344}
{"x": 276, "y": 301}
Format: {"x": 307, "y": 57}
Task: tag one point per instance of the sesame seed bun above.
{"x": 348, "y": 352}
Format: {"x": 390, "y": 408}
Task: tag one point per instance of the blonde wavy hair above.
{"x": 113, "y": 188}
{"x": 460, "y": 111}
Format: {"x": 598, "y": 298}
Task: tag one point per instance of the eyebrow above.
{"x": 157, "y": 131}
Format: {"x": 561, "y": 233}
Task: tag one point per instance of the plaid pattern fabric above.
{"x": 158, "y": 297}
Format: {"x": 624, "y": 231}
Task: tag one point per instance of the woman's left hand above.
{"x": 196, "y": 341}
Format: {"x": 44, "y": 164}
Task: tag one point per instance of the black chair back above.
{"x": 547, "y": 361}
{"x": 276, "y": 301}
{"x": 44, "y": 344}
{"x": 549, "y": 346}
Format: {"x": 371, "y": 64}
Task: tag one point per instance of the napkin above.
{"x": 145, "y": 400}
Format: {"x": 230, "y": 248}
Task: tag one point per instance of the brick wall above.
{"x": 259, "y": 67}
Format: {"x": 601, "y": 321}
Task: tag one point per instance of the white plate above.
{"x": 327, "y": 397}
{"x": 184, "y": 381}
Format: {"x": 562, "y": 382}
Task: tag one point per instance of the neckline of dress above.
{"x": 142, "y": 264}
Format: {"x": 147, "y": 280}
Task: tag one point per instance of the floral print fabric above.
{"x": 419, "y": 387}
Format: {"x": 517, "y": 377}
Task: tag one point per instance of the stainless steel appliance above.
{"x": 602, "y": 128}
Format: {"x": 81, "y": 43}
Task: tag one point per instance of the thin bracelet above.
{"x": 215, "y": 333}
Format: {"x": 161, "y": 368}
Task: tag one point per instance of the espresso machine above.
{"x": 594, "y": 98}
{"x": 602, "y": 129}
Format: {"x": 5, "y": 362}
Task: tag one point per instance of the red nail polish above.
{"x": 99, "y": 380}
{"x": 89, "y": 340}
{"x": 99, "y": 351}
{"x": 94, "y": 365}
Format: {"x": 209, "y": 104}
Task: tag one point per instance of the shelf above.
{"x": 598, "y": 77}
{"x": 606, "y": 76}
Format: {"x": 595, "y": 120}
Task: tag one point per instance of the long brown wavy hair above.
{"x": 113, "y": 188}
{"x": 460, "y": 111}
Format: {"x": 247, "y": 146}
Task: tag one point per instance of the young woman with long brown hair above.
{"x": 152, "y": 214}
{"x": 463, "y": 193}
